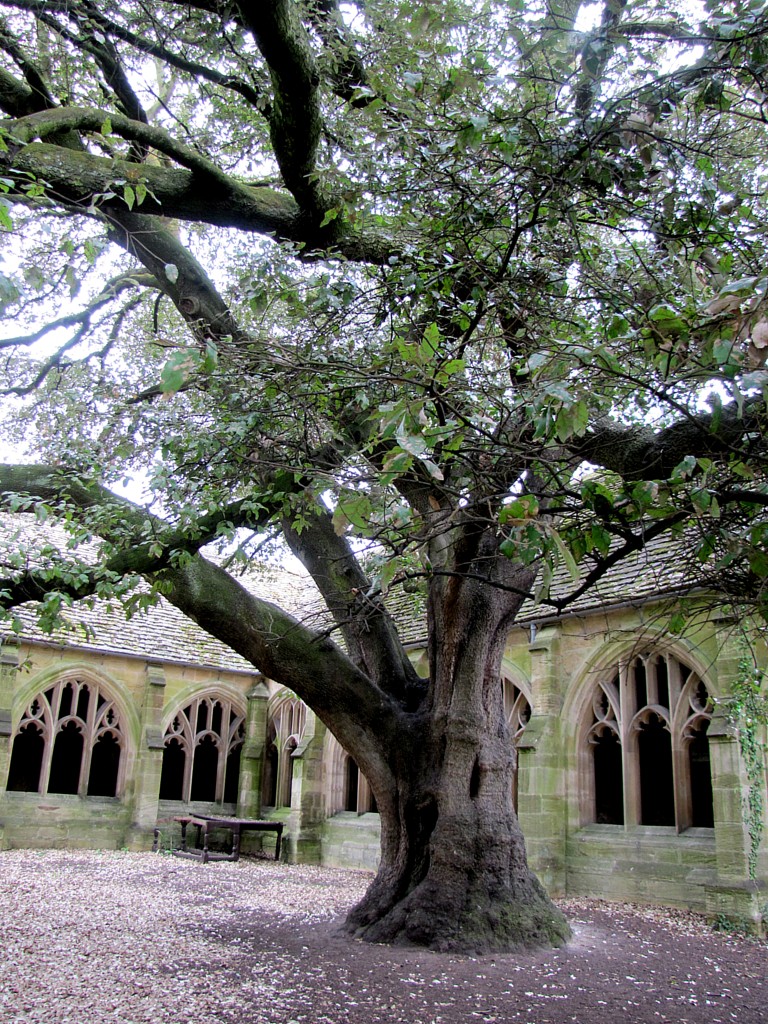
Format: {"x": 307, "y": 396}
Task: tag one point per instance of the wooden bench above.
{"x": 206, "y": 823}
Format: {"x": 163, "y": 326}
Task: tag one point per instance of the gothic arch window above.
{"x": 517, "y": 709}
{"x": 347, "y": 788}
{"x": 285, "y": 729}
{"x": 646, "y": 751}
{"x": 201, "y": 756}
{"x": 69, "y": 741}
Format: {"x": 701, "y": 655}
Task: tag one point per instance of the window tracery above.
{"x": 285, "y": 729}
{"x": 69, "y": 741}
{"x": 647, "y": 747}
{"x": 517, "y": 710}
{"x": 201, "y": 759}
{"x": 347, "y": 788}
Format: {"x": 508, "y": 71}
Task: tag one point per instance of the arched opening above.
{"x": 288, "y": 766}
{"x": 609, "y": 778}
{"x": 204, "y": 767}
{"x": 702, "y": 810}
{"x": 232, "y": 776}
{"x": 172, "y": 775}
{"x": 210, "y": 730}
{"x": 66, "y": 759}
{"x": 269, "y": 785}
{"x": 26, "y": 760}
{"x": 657, "y": 793}
{"x": 517, "y": 709}
{"x": 351, "y": 781}
{"x": 105, "y": 765}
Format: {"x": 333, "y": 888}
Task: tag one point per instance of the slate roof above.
{"x": 663, "y": 568}
{"x": 162, "y": 633}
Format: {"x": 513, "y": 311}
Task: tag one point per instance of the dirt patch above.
{"x": 92, "y": 937}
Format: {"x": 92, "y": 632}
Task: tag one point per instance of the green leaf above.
{"x": 178, "y": 369}
{"x": 568, "y": 559}
{"x": 524, "y": 507}
{"x": 330, "y": 215}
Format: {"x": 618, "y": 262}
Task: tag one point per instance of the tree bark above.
{"x": 453, "y": 873}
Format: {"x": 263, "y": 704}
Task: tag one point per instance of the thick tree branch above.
{"x": 640, "y": 453}
{"x": 268, "y": 637}
{"x": 82, "y": 180}
{"x": 365, "y": 623}
{"x": 295, "y": 122}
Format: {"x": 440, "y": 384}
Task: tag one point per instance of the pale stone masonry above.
{"x": 630, "y": 777}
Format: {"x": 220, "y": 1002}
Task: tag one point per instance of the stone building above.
{"x": 630, "y": 781}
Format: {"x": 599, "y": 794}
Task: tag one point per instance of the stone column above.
{"x": 9, "y": 670}
{"x": 252, "y": 755}
{"x": 307, "y": 799}
{"x": 735, "y": 895}
{"x": 149, "y": 762}
{"x": 542, "y": 798}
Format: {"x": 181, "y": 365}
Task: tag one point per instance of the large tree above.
{"x": 443, "y": 295}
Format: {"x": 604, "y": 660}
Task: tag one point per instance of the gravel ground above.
{"x": 91, "y": 937}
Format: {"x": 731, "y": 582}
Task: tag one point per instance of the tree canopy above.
{"x": 443, "y": 295}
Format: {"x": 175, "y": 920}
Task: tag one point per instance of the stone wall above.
{"x": 293, "y": 770}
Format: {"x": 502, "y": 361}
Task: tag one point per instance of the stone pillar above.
{"x": 252, "y": 755}
{"x": 307, "y": 799}
{"x": 542, "y": 797}
{"x": 9, "y": 670}
{"x": 149, "y": 762}
{"x": 735, "y": 896}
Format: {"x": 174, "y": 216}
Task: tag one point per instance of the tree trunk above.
{"x": 453, "y": 873}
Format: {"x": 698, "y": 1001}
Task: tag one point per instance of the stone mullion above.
{"x": 221, "y": 768}
{"x": 651, "y": 680}
{"x": 45, "y": 768}
{"x": 88, "y": 735}
{"x": 189, "y": 734}
{"x": 674, "y": 681}
{"x": 682, "y": 782}
{"x": 629, "y": 753}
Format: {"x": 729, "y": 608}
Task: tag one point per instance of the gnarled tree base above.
{"x": 484, "y": 918}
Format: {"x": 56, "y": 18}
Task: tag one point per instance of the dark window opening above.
{"x": 105, "y": 764}
{"x": 609, "y": 779}
{"x": 83, "y": 699}
{"x": 662, "y": 682}
{"x": 202, "y": 716}
{"x": 66, "y": 759}
{"x": 351, "y": 783}
{"x": 657, "y": 799}
{"x": 172, "y": 775}
{"x": 641, "y": 690}
{"x": 65, "y": 704}
{"x": 232, "y": 776}
{"x": 204, "y": 766}
{"x": 701, "y": 698}
{"x": 216, "y": 718}
{"x": 269, "y": 787}
{"x": 26, "y": 761}
{"x": 702, "y": 811}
